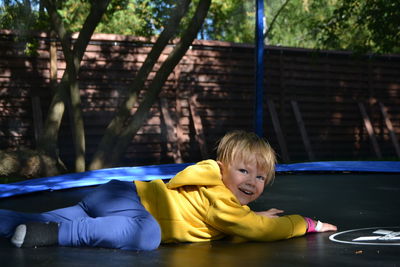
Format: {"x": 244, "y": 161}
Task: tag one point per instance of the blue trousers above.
{"x": 111, "y": 217}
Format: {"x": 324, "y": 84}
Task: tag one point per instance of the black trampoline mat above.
{"x": 350, "y": 201}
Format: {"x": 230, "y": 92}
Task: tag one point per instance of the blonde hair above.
{"x": 247, "y": 146}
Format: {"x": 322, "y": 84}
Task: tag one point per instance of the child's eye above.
{"x": 244, "y": 171}
{"x": 260, "y": 177}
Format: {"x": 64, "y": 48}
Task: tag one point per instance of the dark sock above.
{"x": 35, "y": 234}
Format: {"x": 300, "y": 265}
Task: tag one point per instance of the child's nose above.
{"x": 252, "y": 181}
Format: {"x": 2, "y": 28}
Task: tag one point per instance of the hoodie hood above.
{"x": 204, "y": 173}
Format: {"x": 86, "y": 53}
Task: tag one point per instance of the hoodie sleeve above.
{"x": 228, "y": 216}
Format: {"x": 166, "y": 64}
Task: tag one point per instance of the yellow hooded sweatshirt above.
{"x": 196, "y": 206}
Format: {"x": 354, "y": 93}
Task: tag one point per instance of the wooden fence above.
{"x": 324, "y": 105}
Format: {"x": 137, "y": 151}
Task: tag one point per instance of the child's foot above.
{"x": 35, "y": 234}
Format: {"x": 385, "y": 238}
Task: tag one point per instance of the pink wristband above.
{"x": 310, "y": 225}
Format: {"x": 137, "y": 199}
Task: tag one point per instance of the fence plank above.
{"x": 370, "y": 130}
{"x": 302, "y": 129}
{"x": 278, "y": 131}
{"x": 37, "y": 117}
{"x": 198, "y": 126}
{"x": 390, "y": 128}
{"x": 172, "y": 139}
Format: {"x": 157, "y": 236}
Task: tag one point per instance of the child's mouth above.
{"x": 249, "y": 193}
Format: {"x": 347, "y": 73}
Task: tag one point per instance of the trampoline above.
{"x": 355, "y": 200}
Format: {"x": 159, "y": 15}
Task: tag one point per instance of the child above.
{"x": 206, "y": 201}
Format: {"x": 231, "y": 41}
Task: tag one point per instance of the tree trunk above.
{"x": 115, "y": 128}
{"x": 69, "y": 86}
{"x": 155, "y": 87}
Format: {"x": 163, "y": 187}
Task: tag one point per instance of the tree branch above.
{"x": 115, "y": 127}
{"x": 69, "y": 82}
{"x": 269, "y": 30}
{"x": 155, "y": 87}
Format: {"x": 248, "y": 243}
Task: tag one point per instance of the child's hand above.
{"x": 271, "y": 213}
{"x": 318, "y": 226}
{"x": 327, "y": 227}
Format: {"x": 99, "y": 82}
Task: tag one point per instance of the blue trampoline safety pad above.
{"x": 342, "y": 166}
{"x": 167, "y": 171}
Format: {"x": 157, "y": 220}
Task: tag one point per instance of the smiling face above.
{"x": 247, "y": 164}
{"x": 244, "y": 179}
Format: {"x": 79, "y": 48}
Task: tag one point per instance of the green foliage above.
{"x": 129, "y": 17}
{"x": 365, "y": 26}
{"x": 18, "y": 16}
{"x": 133, "y": 17}
{"x": 231, "y": 21}
{"x": 24, "y": 18}
{"x": 297, "y": 24}
{"x": 74, "y": 13}
{"x": 360, "y": 25}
